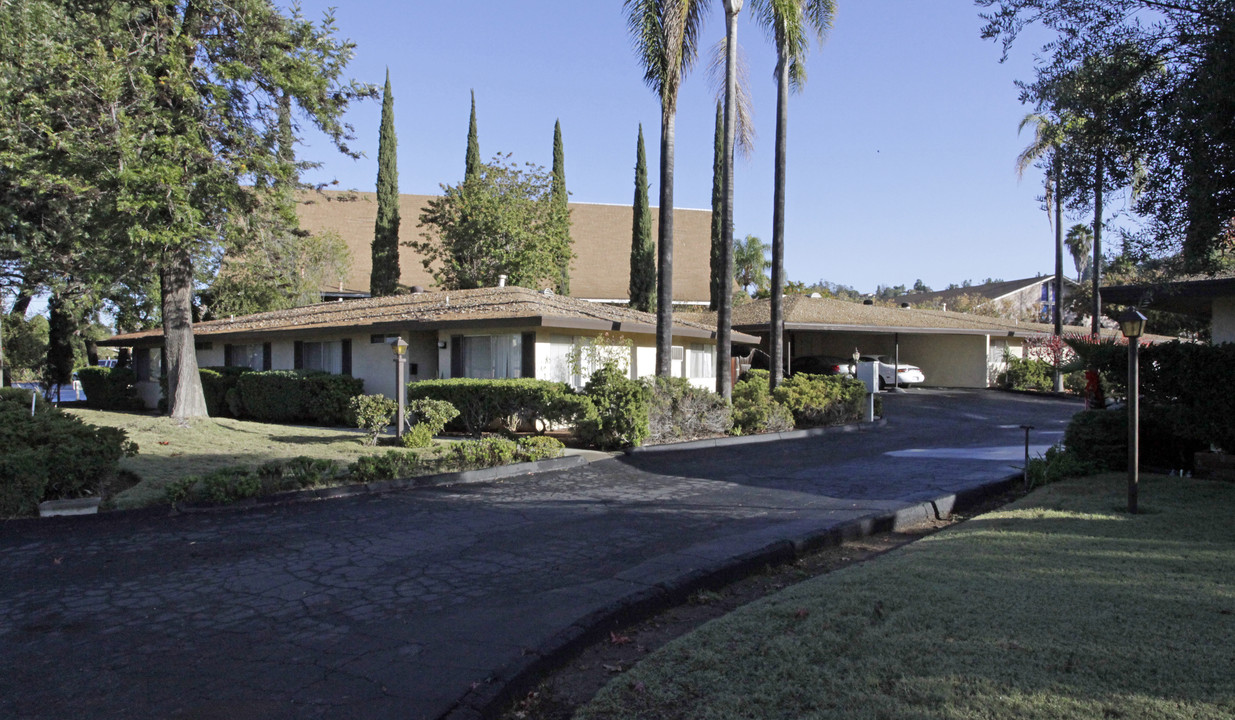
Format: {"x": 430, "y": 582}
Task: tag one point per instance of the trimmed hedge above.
{"x": 818, "y": 400}
{"x": 52, "y": 455}
{"x": 287, "y": 396}
{"x": 216, "y": 382}
{"x": 754, "y": 408}
{"x": 110, "y": 388}
{"x": 485, "y": 403}
{"x": 1100, "y": 437}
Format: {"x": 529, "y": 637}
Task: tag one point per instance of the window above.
{"x": 250, "y": 356}
{"x": 492, "y": 356}
{"x": 324, "y": 356}
{"x": 562, "y": 356}
{"x": 702, "y": 361}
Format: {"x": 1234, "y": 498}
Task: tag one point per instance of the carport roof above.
{"x": 1189, "y": 295}
{"x": 429, "y": 311}
{"x": 807, "y": 313}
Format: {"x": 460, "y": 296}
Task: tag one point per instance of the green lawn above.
{"x": 1058, "y": 606}
{"x": 170, "y": 451}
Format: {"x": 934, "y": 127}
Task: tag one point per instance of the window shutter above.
{"x": 528, "y": 348}
{"x": 227, "y": 356}
{"x": 456, "y": 356}
{"x": 346, "y": 360}
{"x": 267, "y": 356}
{"x": 298, "y": 355}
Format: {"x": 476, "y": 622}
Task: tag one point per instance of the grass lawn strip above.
{"x": 1059, "y": 606}
{"x": 170, "y": 451}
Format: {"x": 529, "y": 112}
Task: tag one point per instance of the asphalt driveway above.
{"x": 399, "y": 605}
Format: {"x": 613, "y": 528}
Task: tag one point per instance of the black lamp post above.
{"x": 1132, "y": 324}
{"x": 400, "y": 348}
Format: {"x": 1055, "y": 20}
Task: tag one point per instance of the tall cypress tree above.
{"x": 560, "y": 204}
{"x": 642, "y": 249}
{"x": 472, "y": 165}
{"x": 718, "y": 207}
{"x": 384, "y": 278}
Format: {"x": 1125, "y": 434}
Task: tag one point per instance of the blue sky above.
{"x": 901, "y": 145}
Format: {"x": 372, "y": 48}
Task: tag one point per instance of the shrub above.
{"x": 1099, "y": 437}
{"x": 817, "y": 400}
{"x": 387, "y": 466}
{"x": 538, "y": 447}
{"x": 296, "y": 474}
{"x": 681, "y": 411}
{"x": 110, "y": 388}
{"x": 428, "y": 418}
{"x": 620, "y": 417}
{"x": 482, "y": 453}
{"x": 17, "y": 396}
{"x": 328, "y": 398}
{"x": 754, "y": 409}
{"x": 217, "y": 382}
{"x": 372, "y": 414}
{"x": 222, "y": 486}
{"x": 482, "y": 403}
{"x": 1058, "y": 463}
{"x": 1026, "y": 374}
{"x": 54, "y": 455}
{"x": 272, "y": 395}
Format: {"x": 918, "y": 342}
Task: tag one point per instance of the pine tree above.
{"x": 472, "y": 165}
{"x": 560, "y": 203}
{"x": 718, "y": 206}
{"x": 642, "y": 249}
{"x": 384, "y": 278}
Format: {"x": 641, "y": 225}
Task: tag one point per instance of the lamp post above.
{"x": 1132, "y": 324}
{"x": 400, "y": 347}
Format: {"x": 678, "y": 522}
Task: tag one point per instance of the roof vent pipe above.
{"x": 945, "y": 307}
{"x": 501, "y": 281}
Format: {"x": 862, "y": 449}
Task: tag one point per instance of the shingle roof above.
{"x": 436, "y": 310}
{"x": 990, "y": 291}
{"x": 1192, "y": 295}
{"x": 829, "y": 313}
{"x": 601, "y": 235}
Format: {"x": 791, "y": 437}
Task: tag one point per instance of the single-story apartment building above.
{"x": 504, "y": 332}
{"x": 1211, "y": 297}
{"x": 952, "y": 349}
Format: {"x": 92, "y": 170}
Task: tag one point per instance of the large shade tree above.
{"x": 665, "y": 35}
{"x": 792, "y": 25}
{"x": 1182, "y": 131}
{"x": 186, "y": 94}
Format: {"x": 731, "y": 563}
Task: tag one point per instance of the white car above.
{"x": 904, "y": 374}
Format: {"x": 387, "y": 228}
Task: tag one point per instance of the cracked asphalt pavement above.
{"x": 396, "y": 605}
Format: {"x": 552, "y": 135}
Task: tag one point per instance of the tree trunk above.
{"x": 1099, "y": 172}
{"x": 776, "y": 325}
{"x": 185, "y": 399}
{"x": 724, "y": 306}
{"x": 1058, "y": 170}
{"x": 664, "y": 250}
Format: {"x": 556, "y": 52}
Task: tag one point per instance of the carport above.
{"x": 953, "y": 349}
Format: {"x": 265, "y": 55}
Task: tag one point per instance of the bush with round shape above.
{"x": 621, "y": 410}
{"x": 680, "y": 411}
{"x": 373, "y": 414}
{"x": 754, "y": 408}
{"x": 428, "y": 418}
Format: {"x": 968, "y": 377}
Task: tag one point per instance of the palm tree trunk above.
{"x": 184, "y": 385}
{"x": 1099, "y": 172}
{"x": 776, "y": 329}
{"x": 724, "y": 309}
{"x": 664, "y": 250}
{"x": 1058, "y": 169}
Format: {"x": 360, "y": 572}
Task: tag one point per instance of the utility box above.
{"x": 868, "y": 373}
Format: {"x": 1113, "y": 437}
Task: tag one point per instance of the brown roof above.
{"x": 829, "y": 313}
{"x": 1191, "y": 295}
{"x": 601, "y": 234}
{"x": 989, "y": 291}
{"x": 484, "y": 307}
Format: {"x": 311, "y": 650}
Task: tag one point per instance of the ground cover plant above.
{"x": 1059, "y": 605}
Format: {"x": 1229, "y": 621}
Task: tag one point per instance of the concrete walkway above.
{"x": 421, "y": 603}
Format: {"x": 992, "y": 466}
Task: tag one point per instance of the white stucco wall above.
{"x": 1224, "y": 320}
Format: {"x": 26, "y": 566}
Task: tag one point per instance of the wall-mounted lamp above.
{"x": 441, "y": 344}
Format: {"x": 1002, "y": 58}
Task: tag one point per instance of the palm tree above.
{"x": 1080, "y": 242}
{"x": 1048, "y": 140}
{"x": 750, "y": 264}
{"x": 791, "y": 24}
{"x": 724, "y": 307}
{"x": 665, "y": 34}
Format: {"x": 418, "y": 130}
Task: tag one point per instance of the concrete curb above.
{"x": 487, "y": 700}
{"x": 754, "y": 439}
